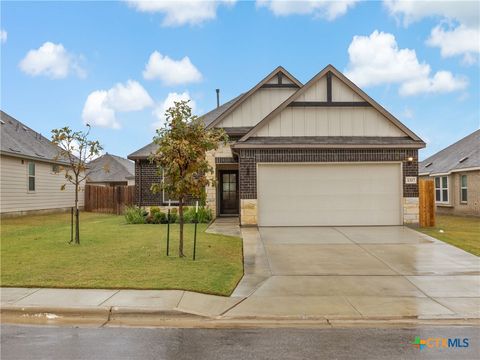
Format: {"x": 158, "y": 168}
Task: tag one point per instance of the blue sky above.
{"x": 64, "y": 63}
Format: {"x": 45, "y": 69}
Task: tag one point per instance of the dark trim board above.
{"x": 270, "y": 86}
{"x": 329, "y": 87}
{"x": 329, "y": 104}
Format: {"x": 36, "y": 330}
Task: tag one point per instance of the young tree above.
{"x": 78, "y": 151}
{"x": 181, "y": 157}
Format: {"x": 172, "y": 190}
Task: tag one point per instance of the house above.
{"x": 316, "y": 154}
{"x": 111, "y": 170}
{"x": 456, "y": 173}
{"x": 30, "y": 175}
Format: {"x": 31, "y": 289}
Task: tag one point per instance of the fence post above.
{"x": 71, "y": 225}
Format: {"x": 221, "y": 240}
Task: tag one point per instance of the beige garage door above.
{"x": 328, "y": 194}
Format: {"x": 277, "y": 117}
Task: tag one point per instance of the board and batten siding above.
{"x": 14, "y": 194}
{"x": 329, "y": 121}
{"x": 256, "y": 107}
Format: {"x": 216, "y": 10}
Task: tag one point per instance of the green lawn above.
{"x": 462, "y": 232}
{"x": 35, "y": 253}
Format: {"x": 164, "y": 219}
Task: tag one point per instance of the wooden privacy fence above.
{"x": 426, "y": 199}
{"x": 108, "y": 199}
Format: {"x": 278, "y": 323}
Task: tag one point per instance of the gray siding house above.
{"x": 30, "y": 176}
{"x": 456, "y": 173}
{"x": 314, "y": 154}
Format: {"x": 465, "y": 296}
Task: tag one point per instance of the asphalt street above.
{"x": 65, "y": 343}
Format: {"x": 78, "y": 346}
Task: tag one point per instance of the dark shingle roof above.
{"x": 212, "y": 115}
{"x": 19, "y": 140}
{"x": 463, "y": 154}
{"x": 207, "y": 119}
{"x": 330, "y": 141}
{"x": 110, "y": 168}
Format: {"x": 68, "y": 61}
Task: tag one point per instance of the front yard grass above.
{"x": 462, "y": 232}
{"x": 112, "y": 254}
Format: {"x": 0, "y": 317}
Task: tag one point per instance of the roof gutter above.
{"x": 325, "y": 146}
{"x": 29, "y": 157}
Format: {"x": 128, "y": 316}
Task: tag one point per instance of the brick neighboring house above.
{"x": 456, "y": 172}
{"x": 323, "y": 153}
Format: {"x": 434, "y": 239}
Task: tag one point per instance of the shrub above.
{"x": 189, "y": 215}
{"x": 135, "y": 215}
{"x": 154, "y": 210}
{"x": 159, "y": 218}
{"x": 205, "y": 215}
{"x": 173, "y": 215}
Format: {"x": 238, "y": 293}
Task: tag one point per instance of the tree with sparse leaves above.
{"x": 181, "y": 157}
{"x": 77, "y": 150}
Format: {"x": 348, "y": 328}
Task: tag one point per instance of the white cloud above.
{"x": 462, "y": 35}
{"x": 326, "y": 9}
{"x": 409, "y": 11}
{"x": 441, "y": 82}
{"x": 51, "y": 60}
{"x": 457, "y": 41}
{"x": 3, "y": 36}
{"x": 181, "y": 12}
{"x": 171, "y": 72}
{"x": 101, "y": 105}
{"x": 169, "y": 101}
{"x": 377, "y": 59}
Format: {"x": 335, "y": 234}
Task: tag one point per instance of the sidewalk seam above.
{"x": 25, "y": 296}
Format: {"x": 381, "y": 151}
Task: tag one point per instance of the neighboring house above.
{"x": 111, "y": 170}
{"x": 30, "y": 177}
{"x": 456, "y": 173}
{"x": 323, "y": 153}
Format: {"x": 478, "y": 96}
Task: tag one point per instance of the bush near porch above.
{"x": 112, "y": 254}
{"x": 462, "y": 232}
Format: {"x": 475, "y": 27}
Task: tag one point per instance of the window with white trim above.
{"x": 31, "y": 176}
{"x": 166, "y": 197}
{"x": 441, "y": 189}
{"x": 463, "y": 189}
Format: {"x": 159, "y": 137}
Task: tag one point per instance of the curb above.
{"x": 151, "y": 317}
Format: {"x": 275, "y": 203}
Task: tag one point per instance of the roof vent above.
{"x": 14, "y": 150}
{"x": 2, "y": 122}
{"x": 463, "y": 159}
{"x": 428, "y": 164}
{"x": 24, "y": 128}
{"x": 39, "y": 154}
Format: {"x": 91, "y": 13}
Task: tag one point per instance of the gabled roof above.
{"x": 19, "y": 140}
{"x": 464, "y": 154}
{"x": 346, "y": 81}
{"x": 212, "y": 115}
{"x": 110, "y": 168}
{"x": 242, "y": 98}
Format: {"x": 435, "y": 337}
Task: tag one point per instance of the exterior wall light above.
{"x": 410, "y": 159}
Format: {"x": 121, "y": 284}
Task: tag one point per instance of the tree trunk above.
{"x": 77, "y": 216}
{"x": 180, "y": 222}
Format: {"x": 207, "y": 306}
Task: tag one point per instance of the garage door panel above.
{"x": 324, "y": 194}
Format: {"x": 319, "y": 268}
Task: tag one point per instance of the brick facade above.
{"x": 248, "y": 158}
{"x": 146, "y": 175}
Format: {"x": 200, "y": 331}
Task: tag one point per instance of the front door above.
{"x": 228, "y": 192}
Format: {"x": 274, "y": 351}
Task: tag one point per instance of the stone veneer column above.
{"x": 411, "y": 210}
{"x": 248, "y": 212}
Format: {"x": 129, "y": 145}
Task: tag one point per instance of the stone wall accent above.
{"x": 248, "y": 159}
{"x": 248, "y": 212}
{"x": 411, "y": 210}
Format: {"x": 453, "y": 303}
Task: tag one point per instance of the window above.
{"x": 55, "y": 169}
{"x": 463, "y": 189}
{"x": 441, "y": 189}
{"x": 31, "y": 176}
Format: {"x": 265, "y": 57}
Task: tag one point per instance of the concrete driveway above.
{"x": 355, "y": 272}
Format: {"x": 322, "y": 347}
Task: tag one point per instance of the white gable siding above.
{"x": 14, "y": 195}
{"x": 323, "y": 121}
{"x": 329, "y": 121}
{"x": 285, "y": 80}
{"x": 256, "y": 107}
{"x": 317, "y": 92}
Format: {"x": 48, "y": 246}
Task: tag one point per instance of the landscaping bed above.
{"x": 112, "y": 254}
